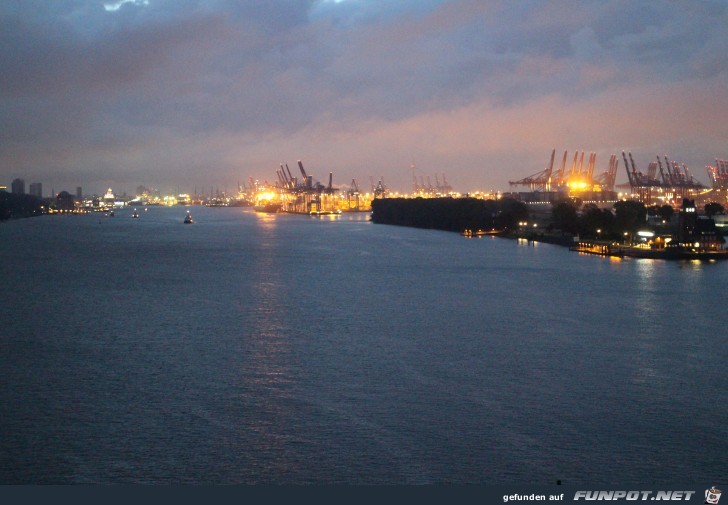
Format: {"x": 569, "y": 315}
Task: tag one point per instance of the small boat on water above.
{"x": 188, "y": 218}
{"x": 135, "y": 214}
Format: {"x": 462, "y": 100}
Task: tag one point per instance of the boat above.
{"x": 135, "y": 214}
{"x": 270, "y": 208}
{"x": 240, "y": 203}
{"x": 216, "y": 202}
{"x": 316, "y": 213}
{"x": 188, "y": 218}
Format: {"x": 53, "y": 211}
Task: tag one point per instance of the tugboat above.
{"x": 188, "y": 218}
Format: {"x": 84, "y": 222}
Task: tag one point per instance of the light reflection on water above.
{"x": 255, "y": 348}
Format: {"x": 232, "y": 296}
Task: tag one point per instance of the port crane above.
{"x": 352, "y": 196}
{"x": 580, "y": 177}
{"x": 674, "y": 182}
{"x": 380, "y": 191}
{"x": 718, "y": 174}
{"x": 426, "y": 189}
{"x": 540, "y": 181}
{"x": 305, "y": 196}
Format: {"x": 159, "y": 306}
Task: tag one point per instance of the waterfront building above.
{"x": 36, "y": 189}
{"x": 18, "y": 187}
{"x": 64, "y": 202}
{"x": 109, "y": 199}
{"x": 695, "y": 231}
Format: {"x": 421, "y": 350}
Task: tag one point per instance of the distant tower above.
{"x": 18, "y": 187}
{"x": 36, "y": 189}
{"x": 79, "y": 193}
{"x": 688, "y": 219}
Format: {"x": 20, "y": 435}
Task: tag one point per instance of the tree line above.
{"x": 570, "y": 216}
{"x": 588, "y": 220}
{"x": 450, "y": 214}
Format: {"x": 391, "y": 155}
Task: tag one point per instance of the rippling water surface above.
{"x": 251, "y": 348}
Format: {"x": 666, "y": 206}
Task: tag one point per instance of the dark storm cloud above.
{"x": 182, "y": 86}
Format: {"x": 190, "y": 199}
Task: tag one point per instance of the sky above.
{"x": 185, "y": 95}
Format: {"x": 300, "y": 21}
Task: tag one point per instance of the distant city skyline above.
{"x": 192, "y": 93}
{"x": 18, "y": 185}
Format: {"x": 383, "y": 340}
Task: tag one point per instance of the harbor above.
{"x": 343, "y": 246}
{"x": 295, "y": 351}
{"x": 305, "y": 195}
{"x": 625, "y": 234}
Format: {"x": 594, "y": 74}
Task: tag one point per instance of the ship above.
{"x": 269, "y": 208}
{"x": 316, "y": 213}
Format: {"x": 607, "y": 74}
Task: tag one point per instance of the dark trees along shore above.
{"x": 450, "y": 214}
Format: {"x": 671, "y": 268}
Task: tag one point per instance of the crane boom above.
{"x": 562, "y": 169}
{"x": 303, "y": 172}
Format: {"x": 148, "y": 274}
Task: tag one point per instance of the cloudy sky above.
{"x": 185, "y": 94}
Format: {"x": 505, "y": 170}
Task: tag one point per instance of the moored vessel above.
{"x": 316, "y": 213}
{"x": 270, "y": 208}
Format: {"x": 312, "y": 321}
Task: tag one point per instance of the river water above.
{"x": 283, "y": 349}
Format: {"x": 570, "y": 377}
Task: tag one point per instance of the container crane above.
{"x": 540, "y": 181}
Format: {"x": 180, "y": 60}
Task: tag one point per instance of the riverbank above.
{"x": 507, "y": 218}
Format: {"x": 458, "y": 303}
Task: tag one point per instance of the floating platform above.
{"x": 317, "y": 213}
{"x": 667, "y": 253}
{"x": 598, "y": 248}
{"x": 480, "y": 233}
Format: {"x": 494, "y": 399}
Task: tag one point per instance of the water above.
{"x": 251, "y": 348}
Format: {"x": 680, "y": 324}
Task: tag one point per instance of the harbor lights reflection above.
{"x": 266, "y": 220}
{"x": 266, "y": 377}
{"x": 646, "y": 329}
